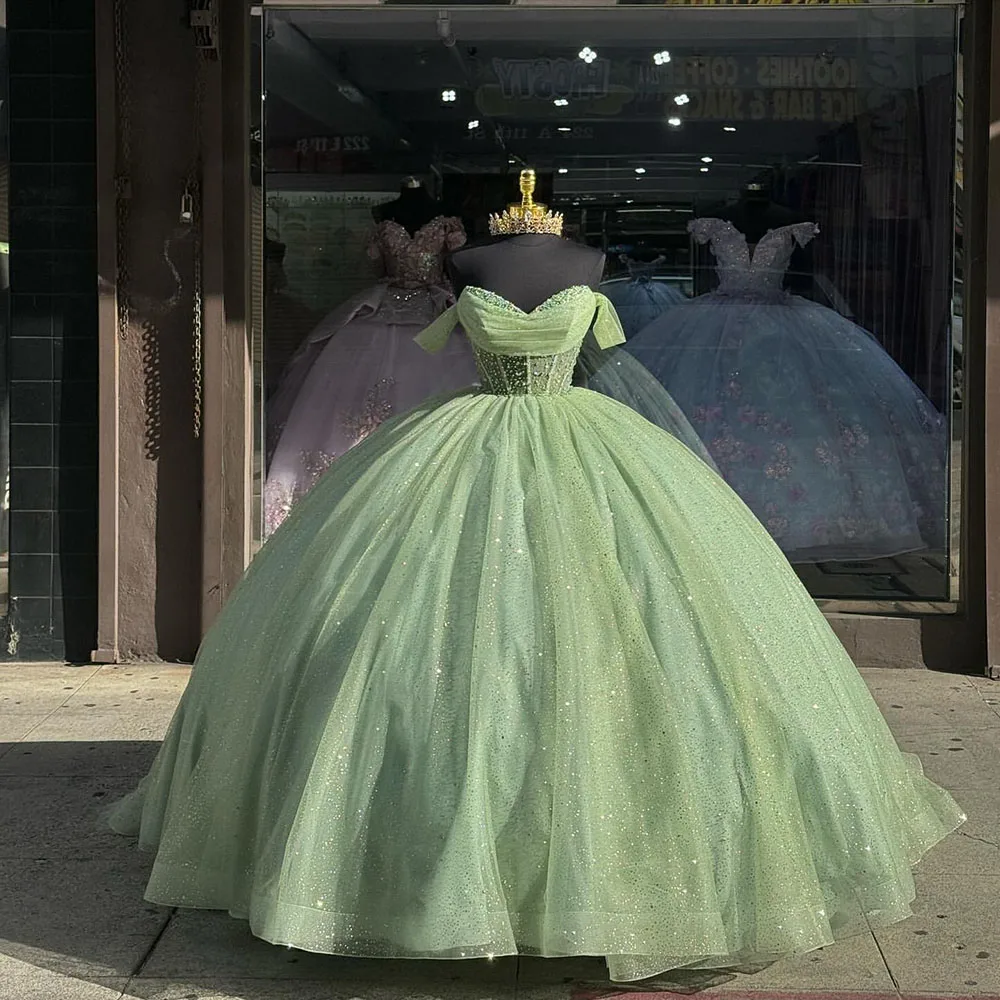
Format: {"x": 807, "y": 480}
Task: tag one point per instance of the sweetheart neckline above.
{"x": 469, "y": 289}
{"x": 413, "y": 236}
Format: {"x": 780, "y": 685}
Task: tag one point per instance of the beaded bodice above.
{"x": 742, "y": 274}
{"x": 527, "y": 374}
{"x": 526, "y": 353}
{"x": 415, "y": 261}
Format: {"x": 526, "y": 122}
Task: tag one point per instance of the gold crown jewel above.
{"x": 526, "y": 216}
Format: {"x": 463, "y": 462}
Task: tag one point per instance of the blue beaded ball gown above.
{"x": 522, "y": 674}
{"x": 821, "y": 433}
{"x": 640, "y": 296}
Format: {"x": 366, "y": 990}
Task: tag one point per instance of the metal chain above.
{"x": 123, "y": 166}
{"x": 190, "y": 214}
{"x": 194, "y": 192}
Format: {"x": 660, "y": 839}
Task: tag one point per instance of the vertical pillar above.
{"x": 107, "y": 650}
{"x": 990, "y": 273}
{"x": 227, "y": 427}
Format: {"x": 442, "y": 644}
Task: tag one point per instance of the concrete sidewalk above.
{"x": 73, "y": 925}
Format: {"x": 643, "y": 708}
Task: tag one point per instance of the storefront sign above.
{"x": 333, "y": 144}
{"x": 820, "y": 71}
{"x": 506, "y": 134}
{"x": 547, "y": 79}
{"x": 757, "y": 88}
{"x": 785, "y": 105}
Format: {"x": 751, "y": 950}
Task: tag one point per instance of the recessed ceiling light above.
{"x": 473, "y": 124}
{"x": 681, "y": 99}
{"x": 587, "y": 54}
{"x": 564, "y": 128}
{"x": 706, "y": 159}
{"x": 674, "y": 122}
{"x": 704, "y": 170}
{"x": 448, "y": 96}
{"x": 728, "y": 128}
{"x": 563, "y": 170}
{"x": 640, "y": 170}
{"x": 661, "y": 58}
{"x": 560, "y": 102}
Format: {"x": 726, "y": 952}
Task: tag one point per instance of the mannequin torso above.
{"x": 526, "y": 269}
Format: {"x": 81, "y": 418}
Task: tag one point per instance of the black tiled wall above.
{"x": 52, "y": 347}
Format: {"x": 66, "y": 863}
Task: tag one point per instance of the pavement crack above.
{"x": 885, "y": 961}
{"x": 992, "y": 706}
{"x": 981, "y": 840}
{"x": 145, "y": 957}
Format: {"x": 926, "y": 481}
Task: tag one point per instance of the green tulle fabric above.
{"x": 522, "y": 674}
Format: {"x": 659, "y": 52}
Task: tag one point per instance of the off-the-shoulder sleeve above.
{"x": 454, "y": 234}
{"x": 608, "y": 330}
{"x": 704, "y": 230}
{"x": 433, "y": 338}
{"x": 803, "y": 232}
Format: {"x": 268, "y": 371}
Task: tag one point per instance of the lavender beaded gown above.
{"x": 361, "y": 365}
{"x": 821, "y": 433}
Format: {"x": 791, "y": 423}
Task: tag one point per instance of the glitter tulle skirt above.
{"x": 522, "y": 674}
{"x": 819, "y": 431}
{"x": 615, "y": 373}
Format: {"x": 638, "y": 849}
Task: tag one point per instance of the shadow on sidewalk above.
{"x": 72, "y": 906}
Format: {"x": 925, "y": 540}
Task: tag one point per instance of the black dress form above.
{"x": 526, "y": 269}
{"x": 412, "y": 209}
{"x": 755, "y": 214}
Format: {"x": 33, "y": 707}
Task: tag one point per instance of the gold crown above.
{"x": 526, "y": 216}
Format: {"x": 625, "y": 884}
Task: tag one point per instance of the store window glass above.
{"x": 774, "y": 192}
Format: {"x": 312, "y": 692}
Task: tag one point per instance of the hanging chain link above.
{"x": 193, "y": 192}
{"x": 123, "y": 166}
{"x": 190, "y": 216}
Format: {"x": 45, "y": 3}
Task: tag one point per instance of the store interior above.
{"x": 775, "y": 190}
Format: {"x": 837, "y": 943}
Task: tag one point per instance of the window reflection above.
{"x": 773, "y": 190}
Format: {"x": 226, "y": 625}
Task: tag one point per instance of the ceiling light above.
{"x": 587, "y": 54}
{"x": 704, "y": 170}
{"x": 661, "y": 58}
{"x": 706, "y": 159}
{"x": 640, "y": 170}
{"x": 564, "y": 128}
{"x": 563, "y": 170}
{"x": 473, "y": 124}
{"x": 728, "y": 128}
{"x": 448, "y": 96}
{"x": 674, "y": 122}
{"x": 681, "y": 99}
{"x": 560, "y": 102}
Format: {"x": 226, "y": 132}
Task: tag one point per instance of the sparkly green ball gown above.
{"x": 523, "y": 674}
